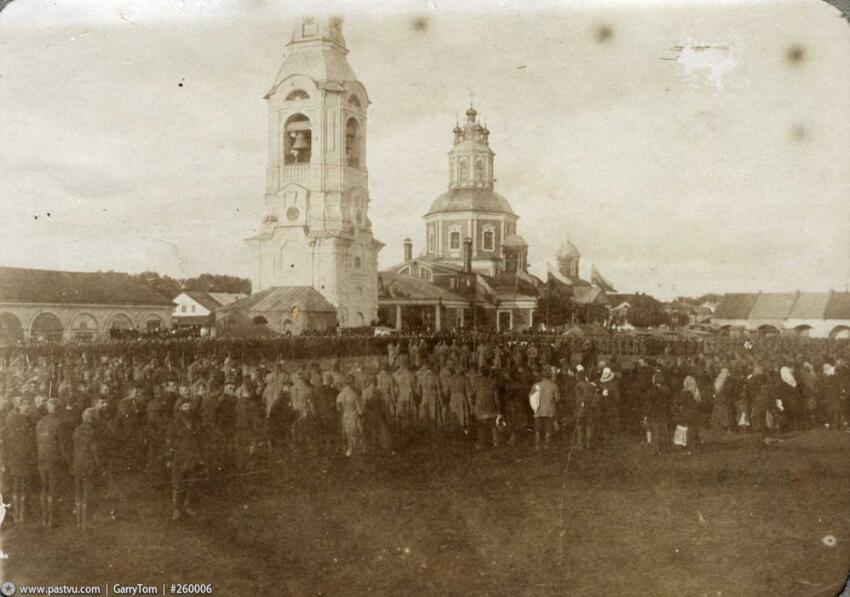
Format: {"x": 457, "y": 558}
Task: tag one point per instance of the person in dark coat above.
{"x": 327, "y": 419}
{"x": 51, "y": 461}
{"x": 157, "y": 414}
{"x": 248, "y": 438}
{"x": 185, "y": 457}
{"x": 86, "y": 464}
{"x": 516, "y": 386}
{"x": 657, "y": 412}
{"x": 21, "y": 454}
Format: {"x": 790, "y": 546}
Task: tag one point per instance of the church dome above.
{"x": 471, "y": 199}
{"x": 567, "y": 251}
{"x": 514, "y": 241}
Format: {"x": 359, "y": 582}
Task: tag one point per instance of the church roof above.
{"x": 21, "y": 285}
{"x": 484, "y": 200}
{"x": 514, "y": 240}
{"x": 567, "y": 251}
{"x": 282, "y": 298}
{"x": 401, "y": 286}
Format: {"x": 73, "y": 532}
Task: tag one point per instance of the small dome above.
{"x": 471, "y": 199}
{"x": 472, "y": 112}
{"x": 514, "y": 241}
{"x": 567, "y": 251}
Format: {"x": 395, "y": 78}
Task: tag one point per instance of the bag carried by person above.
{"x": 680, "y": 437}
{"x": 534, "y": 398}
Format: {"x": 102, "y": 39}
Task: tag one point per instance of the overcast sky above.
{"x": 683, "y": 147}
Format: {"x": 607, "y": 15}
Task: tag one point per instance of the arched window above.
{"x": 431, "y": 247}
{"x": 47, "y": 327}
{"x": 83, "y": 327}
{"x": 297, "y": 94}
{"x": 154, "y": 323}
{"x": 452, "y": 171}
{"x": 298, "y": 140}
{"x": 488, "y": 240}
{"x": 454, "y": 240}
{"x": 464, "y": 170}
{"x": 353, "y": 100}
{"x": 121, "y": 321}
{"x": 352, "y": 143}
{"x": 358, "y": 263}
{"x": 11, "y": 329}
{"x": 479, "y": 170}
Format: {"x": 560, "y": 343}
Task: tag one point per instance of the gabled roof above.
{"x": 773, "y": 305}
{"x": 22, "y": 285}
{"x": 735, "y": 306}
{"x": 225, "y": 298}
{"x": 282, "y": 298}
{"x": 809, "y": 305}
{"x": 838, "y": 306}
{"x": 401, "y": 286}
{"x": 204, "y": 299}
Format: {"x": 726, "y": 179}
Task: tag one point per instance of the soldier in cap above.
{"x": 51, "y": 460}
{"x": 185, "y": 456}
{"x": 86, "y": 465}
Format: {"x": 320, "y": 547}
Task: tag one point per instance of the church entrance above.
{"x": 504, "y": 321}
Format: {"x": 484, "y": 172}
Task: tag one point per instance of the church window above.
{"x": 353, "y": 100}
{"x": 297, "y": 94}
{"x": 308, "y": 28}
{"x": 479, "y": 170}
{"x": 292, "y": 214}
{"x": 430, "y": 241}
{"x": 454, "y": 240}
{"x": 352, "y": 143}
{"x": 359, "y": 291}
{"x": 298, "y": 140}
{"x": 358, "y": 263}
{"x": 488, "y": 240}
{"x": 452, "y": 172}
{"x": 464, "y": 170}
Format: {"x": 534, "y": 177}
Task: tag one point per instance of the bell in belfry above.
{"x": 300, "y": 141}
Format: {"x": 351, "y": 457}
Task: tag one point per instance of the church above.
{"x": 316, "y": 233}
{"x": 473, "y": 271}
{"x": 315, "y": 241}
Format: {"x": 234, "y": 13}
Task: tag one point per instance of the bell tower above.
{"x": 316, "y": 231}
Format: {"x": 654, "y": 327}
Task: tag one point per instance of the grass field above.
{"x": 736, "y": 519}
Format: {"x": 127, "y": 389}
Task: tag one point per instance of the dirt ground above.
{"x": 443, "y": 519}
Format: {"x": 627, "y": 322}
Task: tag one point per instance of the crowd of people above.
{"x": 180, "y": 410}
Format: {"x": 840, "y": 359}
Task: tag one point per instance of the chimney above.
{"x": 408, "y": 249}
{"x": 467, "y": 255}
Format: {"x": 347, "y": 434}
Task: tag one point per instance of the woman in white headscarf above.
{"x": 721, "y": 418}
{"x": 787, "y": 399}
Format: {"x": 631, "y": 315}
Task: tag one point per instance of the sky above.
{"x": 684, "y": 147}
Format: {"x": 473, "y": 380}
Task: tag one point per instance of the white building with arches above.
{"x": 316, "y": 231}
{"x": 81, "y": 306}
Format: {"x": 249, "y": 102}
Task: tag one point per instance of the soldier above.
{"x": 248, "y": 428}
{"x": 431, "y": 403}
{"x": 301, "y": 400}
{"x": 185, "y": 457}
{"x": 157, "y": 415}
{"x": 86, "y": 465}
{"x": 22, "y": 454}
{"x": 324, "y": 404}
{"x": 546, "y": 413}
{"x": 609, "y": 405}
{"x": 405, "y": 412}
{"x": 389, "y": 392}
{"x": 486, "y": 408}
{"x": 586, "y": 404}
{"x": 50, "y": 459}
{"x": 457, "y": 387}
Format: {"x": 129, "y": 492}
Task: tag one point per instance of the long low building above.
{"x": 814, "y": 314}
{"x": 50, "y": 305}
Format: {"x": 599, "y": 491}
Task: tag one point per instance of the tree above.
{"x": 170, "y": 288}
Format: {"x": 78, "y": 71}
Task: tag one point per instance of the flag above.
{"x": 554, "y": 274}
{"x": 597, "y": 279}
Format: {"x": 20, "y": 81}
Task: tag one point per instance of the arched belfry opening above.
{"x": 298, "y": 140}
{"x": 352, "y": 143}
